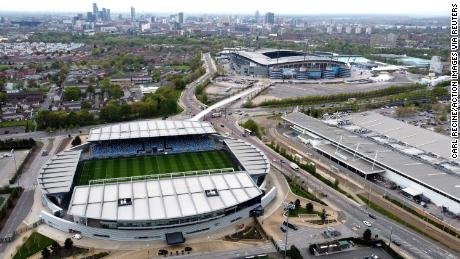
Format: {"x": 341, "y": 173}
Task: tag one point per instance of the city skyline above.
{"x": 312, "y": 7}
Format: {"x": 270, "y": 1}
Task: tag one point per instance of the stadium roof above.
{"x": 57, "y": 174}
{"x": 259, "y": 57}
{"x": 150, "y": 128}
{"x": 251, "y": 158}
{"x": 167, "y": 198}
{"x": 417, "y": 137}
{"x": 405, "y": 165}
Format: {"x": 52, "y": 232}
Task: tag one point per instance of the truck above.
{"x": 294, "y": 166}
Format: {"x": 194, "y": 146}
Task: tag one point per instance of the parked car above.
{"x": 290, "y": 225}
{"x": 367, "y": 223}
{"x": 162, "y": 252}
{"x": 188, "y": 249}
{"x": 396, "y": 242}
{"x": 283, "y": 228}
{"x": 76, "y": 236}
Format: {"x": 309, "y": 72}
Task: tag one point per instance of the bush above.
{"x": 309, "y": 207}
{"x": 367, "y": 234}
{"x": 252, "y": 126}
{"x": 68, "y": 244}
{"x": 294, "y": 253}
{"x": 17, "y": 143}
{"x": 76, "y": 141}
{"x": 46, "y": 253}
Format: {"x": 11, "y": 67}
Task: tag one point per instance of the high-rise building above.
{"x": 133, "y": 13}
{"x": 90, "y": 17}
{"x": 257, "y": 16}
{"x": 348, "y": 29}
{"x": 104, "y": 14}
{"x": 358, "y": 30}
{"x": 108, "y": 15}
{"x": 369, "y": 30}
{"x": 95, "y": 10}
{"x": 180, "y": 18}
{"x": 339, "y": 28}
{"x": 329, "y": 30}
{"x": 269, "y": 18}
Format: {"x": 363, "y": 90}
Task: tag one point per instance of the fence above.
{"x": 161, "y": 176}
{"x": 11, "y": 236}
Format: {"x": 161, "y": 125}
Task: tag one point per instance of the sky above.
{"x": 312, "y": 7}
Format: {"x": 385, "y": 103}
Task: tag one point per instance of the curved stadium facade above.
{"x": 152, "y": 179}
{"x": 287, "y": 64}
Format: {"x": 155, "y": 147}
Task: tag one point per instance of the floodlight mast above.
{"x": 287, "y": 208}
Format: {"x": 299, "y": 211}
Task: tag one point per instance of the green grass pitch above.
{"x": 148, "y": 165}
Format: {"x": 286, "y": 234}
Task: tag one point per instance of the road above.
{"x": 414, "y": 244}
{"x": 28, "y": 182}
{"x": 187, "y": 99}
{"x": 241, "y": 253}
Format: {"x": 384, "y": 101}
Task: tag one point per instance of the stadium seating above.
{"x": 152, "y": 146}
{"x": 190, "y": 144}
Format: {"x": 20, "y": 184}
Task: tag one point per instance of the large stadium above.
{"x": 286, "y": 64}
{"x": 153, "y": 180}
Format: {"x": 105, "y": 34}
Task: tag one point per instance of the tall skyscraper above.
{"x": 108, "y": 15}
{"x": 133, "y": 13}
{"x": 104, "y": 14}
{"x": 269, "y": 18}
{"x": 180, "y": 18}
{"x": 95, "y": 10}
{"x": 257, "y": 16}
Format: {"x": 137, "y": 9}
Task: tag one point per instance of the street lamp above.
{"x": 287, "y": 208}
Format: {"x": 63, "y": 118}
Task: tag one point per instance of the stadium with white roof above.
{"x": 287, "y": 64}
{"x": 153, "y": 179}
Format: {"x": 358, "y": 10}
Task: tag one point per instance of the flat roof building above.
{"x": 442, "y": 187}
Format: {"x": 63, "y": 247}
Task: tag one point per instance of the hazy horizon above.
{"x": 311, "y": 7}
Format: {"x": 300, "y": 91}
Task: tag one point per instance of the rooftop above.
{"x": 417, "y": 137}
{"x": 150, "y": 128}
{"x": 56, "y": 176}
{"x": 261, "y": 57}
{"x": 251, "y": 158}
{"x": 385, "y": 156}
{"x": 163, "y": 198}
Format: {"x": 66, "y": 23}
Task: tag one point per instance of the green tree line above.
{"x": 320, "y": 99}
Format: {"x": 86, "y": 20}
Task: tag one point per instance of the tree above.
{"x": 336, "y": 183}
{"x": 3, "y": 98}
{"x": 367, "y": 234}
{"x": 72, "y": 93}
{"x": 46, "y": 253}
{"x": 309, "y": 207}
{"x": 179, "y": 83}
{"x": 68, "y": 244}
{"x": 90, "y": 89}
{"x": 76, "y": 141}
{"x": 85, "y": 105}
{"x": 252, "y": 126}
{"x": 297, "y": 204}
{"x": 294, "y": 253}
{"x": 115, "y": 91}
{"x": 323, "y": 215}
{"x": 55, "y": 247}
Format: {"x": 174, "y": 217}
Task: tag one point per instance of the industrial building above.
{"x": 287, "y": 64}
{"x": 368, "y": 153}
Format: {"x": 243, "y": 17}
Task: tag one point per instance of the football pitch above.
{"x": 148, "y": 165}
